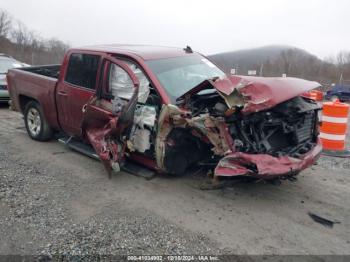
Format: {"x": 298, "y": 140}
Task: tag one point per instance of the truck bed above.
{"x": 46, "y": 70}
{"x": 35, "y": 83}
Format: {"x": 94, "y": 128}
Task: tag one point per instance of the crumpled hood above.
{"x": 255, "y": 93}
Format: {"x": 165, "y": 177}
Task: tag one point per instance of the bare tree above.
{"x": 23, "y": 44}
{"x": 57, "y": 49}
{"x": 22, "y": 36}
{"x": 343, "y": 58}
{"x": 5, "y": 23}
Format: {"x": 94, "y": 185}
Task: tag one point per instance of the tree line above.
{"x": 293, "y": 62}
{"x": 298, "y": 63}
{"x": 18, "y": 41}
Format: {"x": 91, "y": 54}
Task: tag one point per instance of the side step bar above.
{"x": 89, "y": 151}
{"x": 79, "y": 146}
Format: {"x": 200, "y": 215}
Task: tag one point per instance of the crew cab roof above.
{"x": 146, "y": 52}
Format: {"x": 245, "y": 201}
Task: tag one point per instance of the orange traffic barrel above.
{"x": 333, "y": 128}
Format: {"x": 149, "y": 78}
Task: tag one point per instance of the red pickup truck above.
{"x": 169, "y": 109}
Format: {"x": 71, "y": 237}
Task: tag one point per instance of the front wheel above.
{"x": 35, "y": 122}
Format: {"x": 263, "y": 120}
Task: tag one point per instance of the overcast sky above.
{"x": 319, "y": 26}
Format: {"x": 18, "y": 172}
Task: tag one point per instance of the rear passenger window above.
{"x": 82, "y": 70}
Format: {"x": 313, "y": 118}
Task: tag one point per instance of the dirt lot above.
{"x": 56, "y": 200}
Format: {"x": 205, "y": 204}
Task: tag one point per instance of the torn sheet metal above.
{"x": 108, "y": 149}
{"x": 213, "y": 129}
{"x": 252, "y": 93}
{"x": 261, "y": 93}
{"x": 235, "y": 99}
{"x": 263, "y": 165}
{"x": 165, "y": 125}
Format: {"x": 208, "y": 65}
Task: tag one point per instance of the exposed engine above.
{"x": 289, "y": 128}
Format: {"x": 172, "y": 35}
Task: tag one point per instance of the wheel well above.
{"x": 183, "y": 149}
{"x": 23, "y": 100}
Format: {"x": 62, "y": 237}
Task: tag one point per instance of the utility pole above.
{"x": 341, "y": 79}
{"x": 261, "y": 69}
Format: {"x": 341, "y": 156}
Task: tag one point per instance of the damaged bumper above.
{"x": 263, "y": 165}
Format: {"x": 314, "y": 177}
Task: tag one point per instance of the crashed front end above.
{"x": 277, "y": 142}
{"x": 259, "y": 127}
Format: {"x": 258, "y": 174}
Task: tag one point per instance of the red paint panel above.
{"x": 260, "y": 93}
{"x": 263, "y": 93}
{"x": 267, "y": 166}
{"x": 40, "y": 88}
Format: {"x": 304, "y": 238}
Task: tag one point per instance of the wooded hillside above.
{"x": 25, "y": 45}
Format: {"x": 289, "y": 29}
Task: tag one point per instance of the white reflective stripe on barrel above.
{"x": 332, "y": 137}
{"x": 338, "y": 120}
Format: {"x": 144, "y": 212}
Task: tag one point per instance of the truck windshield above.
{"x": 180, "y": 74}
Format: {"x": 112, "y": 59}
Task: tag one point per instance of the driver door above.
{"x": 108, "y": 118}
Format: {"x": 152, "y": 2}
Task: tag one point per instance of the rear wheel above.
{"x": 35, "y": 122}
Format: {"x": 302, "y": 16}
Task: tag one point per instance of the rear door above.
{"x": 107, "y": 118}
{"x": 76, "y": 89}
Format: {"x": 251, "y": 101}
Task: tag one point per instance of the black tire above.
{"x": 43, "y": 132}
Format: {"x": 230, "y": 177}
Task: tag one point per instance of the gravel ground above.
{"x": 34, "y": 203}
{"x": 55, "y": 201}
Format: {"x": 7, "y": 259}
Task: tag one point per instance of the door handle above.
{"x": 62, "y": 93}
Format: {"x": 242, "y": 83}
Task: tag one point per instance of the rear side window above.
{"x": 82, "y": 70}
